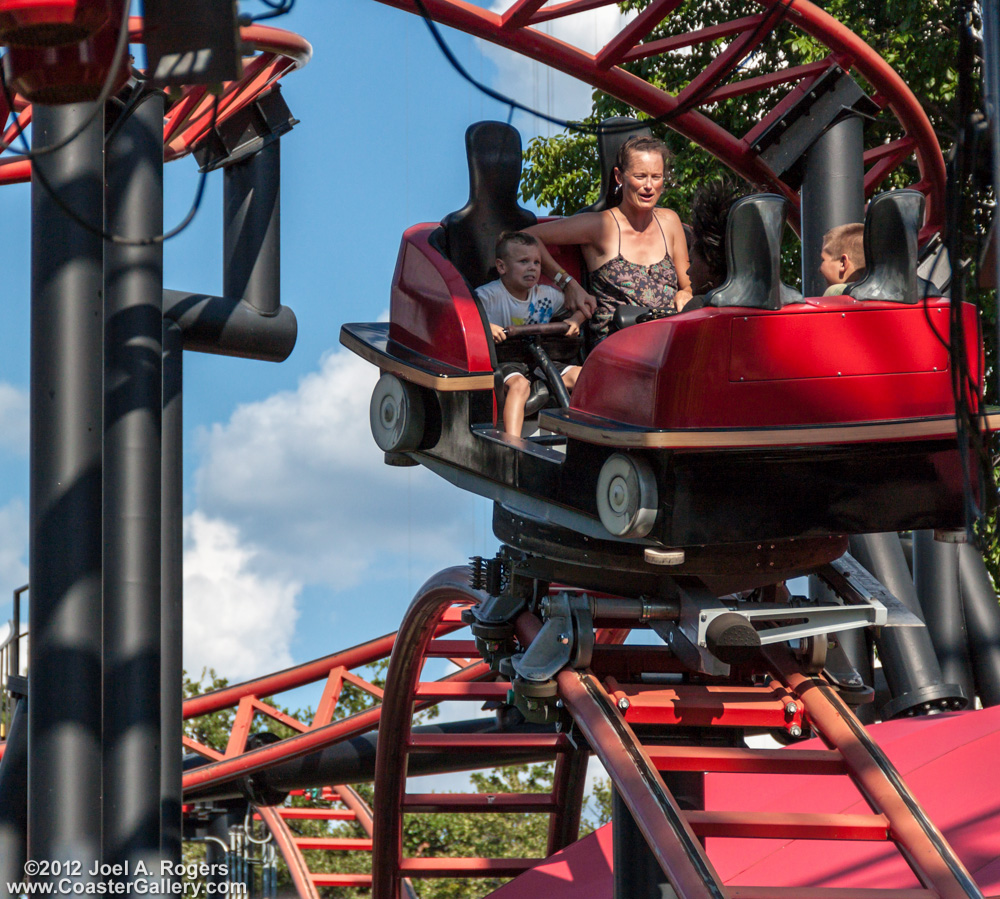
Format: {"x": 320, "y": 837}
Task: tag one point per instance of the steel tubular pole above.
{"x": 983, "y": 616}
{"x": 133, "y": 399}
{"x": 637, "y": 874}
{"x": 833, "y": 193}
{"x": 569, "y": 784}
{"x": 172, "y": 593}
{"x": 908, "y": 659}
{"x": 935, "y": 577}
{"x": 415, "y": 632}
{"x": 252, "y": 230}
{"x": 64, "y": 715}
{"x": 14, "y": 799}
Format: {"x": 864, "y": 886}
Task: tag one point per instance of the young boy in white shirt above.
{"x": 518, "y": 299}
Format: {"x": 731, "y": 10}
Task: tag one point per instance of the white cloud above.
{"x": 301, "y": 478}
{"x": 13, "y": 419}
{"x": 13, "y": 548}
{"x": 236, "y": 621}
{"x": 543, "y": 88}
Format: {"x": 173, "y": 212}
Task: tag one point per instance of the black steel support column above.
{"x": 935, "y": 576}
{"x": 252, "y": 230}
{"x": 833, "y": 192}
{"x": 172, "y": 591}
{"x": 911, "y": 668}
{"x": 64, "y": 715}
{"x": 637, "y": 873}
{"x": 982, "y": 615}
{"x": 132, "y": 410}
{"x": 14, "y": 799}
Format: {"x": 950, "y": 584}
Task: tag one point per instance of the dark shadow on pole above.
{"x": 133, "y": 363}
{"x": 67, "y": 316}
{"x": 935, "y": 577}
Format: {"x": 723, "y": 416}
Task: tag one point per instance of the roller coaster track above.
{"x": 617, "y": 69}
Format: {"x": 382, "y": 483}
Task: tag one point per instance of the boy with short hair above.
{"x": 517, "y": 298}
{"x": 842, "y": 257}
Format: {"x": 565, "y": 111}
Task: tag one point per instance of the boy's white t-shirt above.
{"x": 504, "y": 309}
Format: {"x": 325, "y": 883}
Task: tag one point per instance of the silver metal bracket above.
{"x": 857, "y": 586}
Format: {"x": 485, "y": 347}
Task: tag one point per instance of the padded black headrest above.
{"x": 608, "y": 144}
{"x": 892, "y": 224}
{"x": 753, "y": 255}
{"x": 470, "y": 234}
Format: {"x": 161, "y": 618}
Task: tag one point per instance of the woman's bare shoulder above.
{"x": 582, "y": 228}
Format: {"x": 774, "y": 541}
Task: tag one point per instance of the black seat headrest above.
{"x": 609, "y": 142}
{"x": 892, "y": 224}
{"x": 753, "y": 255}
{"x": 470, "y": 234}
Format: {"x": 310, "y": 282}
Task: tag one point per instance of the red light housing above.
{"x": 73, "y": 73}
{"x": 50, "y": 23}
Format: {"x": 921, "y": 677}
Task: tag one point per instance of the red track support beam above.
{"x": 418, "y": 628}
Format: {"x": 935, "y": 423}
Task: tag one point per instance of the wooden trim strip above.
{"x": 443, "y": 383}
{"x": 626, "y": 436}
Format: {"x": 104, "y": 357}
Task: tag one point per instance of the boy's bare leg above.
{"x": 518, "y": 388}
{"x": 570, "y": 375}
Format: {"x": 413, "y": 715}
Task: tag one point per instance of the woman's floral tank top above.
{"x": 620, "y": 282}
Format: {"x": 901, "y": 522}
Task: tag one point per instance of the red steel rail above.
{"x": 189, "y": 118}
{"x": 515, "y": 26}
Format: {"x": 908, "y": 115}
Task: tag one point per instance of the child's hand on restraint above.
{"x": 499, "y": 334}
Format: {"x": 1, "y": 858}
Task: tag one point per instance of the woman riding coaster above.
{"x": 635, "y": 251}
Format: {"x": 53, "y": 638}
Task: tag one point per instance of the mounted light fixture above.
{"x": 73, "y": 73}
{"x": 50, "y": 23}
{"x": 192, "y": 42}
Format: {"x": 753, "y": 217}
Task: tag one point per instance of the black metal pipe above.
{"x": 935, "y": 577}
{"x": 637, "y": 873}
{"x": 67, "y": 316}
{"x": 353, "y": 761}
{"x": 172, "y": 592}
{"x": 856, "y": 645}
{"x": 908, "y": 660}
{"x": 982, "y": 614}
{"x": 133, "y": 388}
{"x": 14, "y": 799}
{"x": 231, "y": 327}
{"x": 252, "y": 230}
{"x": 833, "y": 192}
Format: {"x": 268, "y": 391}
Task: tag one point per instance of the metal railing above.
{"x": 10, "y": 661}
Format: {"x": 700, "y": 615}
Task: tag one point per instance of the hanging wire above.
{"x": 118, "y": 57}
{"x": 39, "y": 174}
{"x": 582, "y": 127}
{"x": 277, "y": 8}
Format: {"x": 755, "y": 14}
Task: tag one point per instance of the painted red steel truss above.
{"x": 732, "y": 42}
{"x": 189, "y": 118}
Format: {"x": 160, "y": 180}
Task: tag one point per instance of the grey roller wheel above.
{"x": 396, "y": 415}
{"x": 626, "y": 496}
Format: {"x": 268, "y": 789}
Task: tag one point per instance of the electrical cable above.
{"x": 121, "y": 45}
{"x": 39, "y": 174}
{"x": 277, "y": 7}
{"x": 768, "y": 21}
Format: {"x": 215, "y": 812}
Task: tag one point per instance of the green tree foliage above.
{"x": 562, "y": 171}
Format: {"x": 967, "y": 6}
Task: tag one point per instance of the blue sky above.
{"x": 299, "y": 541}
